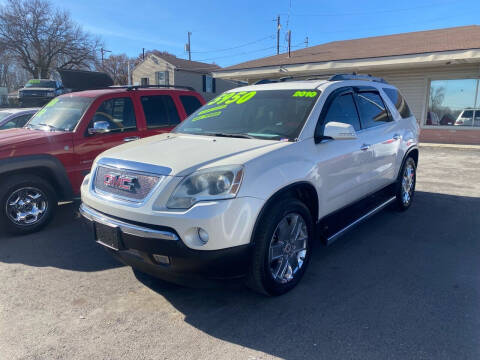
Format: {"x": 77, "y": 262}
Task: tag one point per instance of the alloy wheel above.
{"x": 26, "y": 206}
{"x": 288, "y": 248}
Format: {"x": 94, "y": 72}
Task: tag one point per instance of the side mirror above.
{"x": 339, "y": 131}
{"x": 99, "y": 127}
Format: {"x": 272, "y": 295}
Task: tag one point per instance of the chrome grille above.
{"x": 124, "y": 184}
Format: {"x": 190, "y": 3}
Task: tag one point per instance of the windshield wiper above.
{"x": 240, "y": 135}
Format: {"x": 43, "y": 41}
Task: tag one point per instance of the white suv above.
{"x": 244, "y": 185}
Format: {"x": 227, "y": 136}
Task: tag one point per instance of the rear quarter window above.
{"x": 399, "y": 101}
{"x": 190, "y": 103}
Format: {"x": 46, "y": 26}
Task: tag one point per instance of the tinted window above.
{"x": 190, "y": 104}
{"x": 397, "y": 99}
{"x": 22, "y": 120}
{"x": 343, "y": 110}
{"x": 118, "y": 112}
{"x": 372, "y": 109}
{"x": 8, "y": 125}
{"x": 160, "y": 110}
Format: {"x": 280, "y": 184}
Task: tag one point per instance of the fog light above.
{"x": 161, "y": 259}
{"x": 202, "y": 235}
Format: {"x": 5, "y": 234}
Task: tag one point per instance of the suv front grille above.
{"x": 124, "y": 184}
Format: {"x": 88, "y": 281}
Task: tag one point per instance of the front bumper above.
{"x": 138, "y": 243}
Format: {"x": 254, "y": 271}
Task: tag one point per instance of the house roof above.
{"x": 449, "y": 39}
{"x": 188, "y": 65}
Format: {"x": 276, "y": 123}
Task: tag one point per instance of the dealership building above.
{"x": 438, "y": 72}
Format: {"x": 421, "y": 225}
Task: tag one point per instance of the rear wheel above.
{"x": 406, "y": 184}
{"x": 282, "y": 246}
{"x": 27, "y": 203}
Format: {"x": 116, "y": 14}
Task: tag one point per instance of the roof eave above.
{"x": 364, "y": 64}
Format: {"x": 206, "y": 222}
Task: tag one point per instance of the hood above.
{"x": 186, "y": 153}
{"x": 16, "y": 138}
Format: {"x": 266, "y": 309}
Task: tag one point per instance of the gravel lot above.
{"x": 400, "y": 286}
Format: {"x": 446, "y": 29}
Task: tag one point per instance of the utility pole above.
{"x": 187, "y": 47}
{"x": 103, "y": 51}
{"x": 306, "y": 41}
{"x": 289, "y": 41}
{"x": 278, "y": 34}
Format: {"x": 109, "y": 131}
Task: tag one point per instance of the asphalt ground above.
{"x": 399, "y": 286}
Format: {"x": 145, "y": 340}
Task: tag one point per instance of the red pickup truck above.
{"x": 46, "y": 161}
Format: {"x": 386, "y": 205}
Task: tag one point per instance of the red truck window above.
{"x": 160, "y": 110}
{"x": 119, "y": 114}
{"x": 190, "y": 103}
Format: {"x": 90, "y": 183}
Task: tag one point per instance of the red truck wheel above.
{"x": 27, "y": 203}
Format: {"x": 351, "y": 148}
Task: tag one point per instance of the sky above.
{"x": 230, "y": 32}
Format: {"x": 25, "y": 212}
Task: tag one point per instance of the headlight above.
{"x": 221, "y": 182}
{"x": 20, "y": 94}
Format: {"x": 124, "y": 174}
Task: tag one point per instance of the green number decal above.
{"x": 208, "y": 115}
{"x": 235, "y": 97}
{"x": 305, "y": 94}
{"x": 246, "y": 97}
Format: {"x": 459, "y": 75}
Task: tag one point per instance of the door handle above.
{"x": 131, "y": 138}
{"x": 396, "y": 137}
{"x": 365, "y": 147}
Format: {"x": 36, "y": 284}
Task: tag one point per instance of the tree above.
{"x": 41, "y": 38}
{"x": 117, "y": 67}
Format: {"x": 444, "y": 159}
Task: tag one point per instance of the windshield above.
{"x": 41, "y": 83}
{"x": 4, "y": 114}
{"x": 62, "y": 113}
{"x": 267, "y": 114}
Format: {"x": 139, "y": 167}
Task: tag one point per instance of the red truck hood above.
{"x": 16, "y": 138}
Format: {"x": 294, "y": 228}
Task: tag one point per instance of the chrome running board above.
{"x": 339, "y": 233}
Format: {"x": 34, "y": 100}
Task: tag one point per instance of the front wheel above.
{"x": 282, "y": 247}
{"x": 406, "y": 184}
{"x": 27, "y": 203}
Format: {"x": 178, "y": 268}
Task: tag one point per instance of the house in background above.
{"x": 438, "y": 72}
{"x": 165, "y": 69}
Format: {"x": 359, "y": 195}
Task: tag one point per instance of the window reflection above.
{"x": 454, "y": 103}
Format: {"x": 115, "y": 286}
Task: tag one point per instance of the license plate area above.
{"x": 108, "y": 236}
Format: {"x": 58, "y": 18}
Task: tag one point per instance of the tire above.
{"x": 267, "y": 273}
{"x": 27, "y": 204}
{"x": 405, "y": 188}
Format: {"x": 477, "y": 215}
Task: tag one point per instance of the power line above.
{"x": 236, "y": 47}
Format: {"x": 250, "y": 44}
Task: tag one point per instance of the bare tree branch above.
{"x": 42, "y": 38}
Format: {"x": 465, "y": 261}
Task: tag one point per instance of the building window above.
{"x": 208, "y": 84}
{"x": 162, "y": 78}
{"x": 454, "y": 103}
{"x": 144, "y": 82}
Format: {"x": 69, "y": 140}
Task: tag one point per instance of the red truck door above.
{"x": 119, "y": 113}
{"x": 161, "y": 110}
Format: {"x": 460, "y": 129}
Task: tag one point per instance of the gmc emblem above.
{"x": 121, "y": 182}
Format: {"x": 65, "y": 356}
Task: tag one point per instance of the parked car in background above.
{"x": 37, "y": 92}
{"x": 15, "y": 118}
{"x": 468, "y": 117}
{"x": 46, "y": 161}
{"x": 246, "y": 183}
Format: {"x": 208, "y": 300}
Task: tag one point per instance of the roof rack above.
{"x": 336, "y": 77}
{"x": 136, "y": 87}
{"x": 355, "y": 76}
